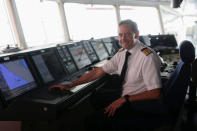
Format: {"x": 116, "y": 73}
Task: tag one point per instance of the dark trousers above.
{"x": 106, "y": 95}
{"x": 101, "y": 99}
{"x": 100, "y": 121}
{"x": 127, "y": 117}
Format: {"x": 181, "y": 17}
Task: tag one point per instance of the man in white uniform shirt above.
{"x": 142, "y": 79}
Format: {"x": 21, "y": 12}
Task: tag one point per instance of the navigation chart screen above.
{"x": 100, "y": 50}
{"x": 109, "y": 47}
{"x": 15, "y": 78}
{"x": 79, "y": 54}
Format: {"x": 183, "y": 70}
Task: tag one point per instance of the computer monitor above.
{"x": 48, "y": 65}
{"x": 15, "y": 78}
{"x": 145, "y": 40}
{"x": 79, "y": 55}
{"x": 67, "y": 59}
{"x": 163, "y": 41}
{"x": 100, "y": 49}
{"x": 110, "y": 45}
{"x": 117, "y": 42}
{"x": 90, "y": 51}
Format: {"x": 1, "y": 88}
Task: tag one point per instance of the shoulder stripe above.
{"x": 121, "y": 49}
{"x": 146, "y": 51}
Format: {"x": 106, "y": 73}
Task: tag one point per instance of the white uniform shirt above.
{"x": 143, "y": 71}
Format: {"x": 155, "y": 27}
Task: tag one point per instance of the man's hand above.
{"x": 61, "y": 87}
{"x": 111, "y": 109}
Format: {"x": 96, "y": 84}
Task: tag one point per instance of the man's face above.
{"x": 126, "y": 36}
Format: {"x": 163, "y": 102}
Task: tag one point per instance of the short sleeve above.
{"x": 112, "y": 65}
{"x": 151, "y": 71}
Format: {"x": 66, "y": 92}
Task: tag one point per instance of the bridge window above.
{"x": 87, "y": 21}
{"x": 6, "y": 31}
{"x": 173, "y": 23}
{"x": 40, "y": 21}
{"x": 146, "y": 18}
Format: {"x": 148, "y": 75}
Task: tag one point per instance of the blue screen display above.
{"x": 15, "y": 78}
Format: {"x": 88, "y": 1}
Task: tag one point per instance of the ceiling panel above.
{"x": 119, "y": 2}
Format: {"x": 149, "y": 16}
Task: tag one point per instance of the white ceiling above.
{"x": 119, "y": 2}
{"x": 188, "y": 7}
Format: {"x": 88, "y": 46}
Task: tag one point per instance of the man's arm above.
{"x": 146, "y": 95}
{"x": 90, "y": 76}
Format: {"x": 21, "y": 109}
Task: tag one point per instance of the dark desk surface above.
{"x": 24, "y": 109}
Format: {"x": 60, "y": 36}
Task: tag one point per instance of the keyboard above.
{"x": 44, "y": 93}
{"x": 77, "y": 88}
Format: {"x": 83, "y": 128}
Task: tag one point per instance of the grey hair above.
{"x": 133, "y": 24}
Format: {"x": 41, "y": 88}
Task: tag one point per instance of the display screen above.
{"x": 163, "y": 40}
{"x": 100, "y": 50}
{"x": 111, "y": 46}
{"x": 48, "y": 65}
{"x": 79, "y": 54}
{"x": 90, "y": 51}
{"x": 15, "y": 78}
{"x": 145, "y": 40}
{"x": 69, "y": 62}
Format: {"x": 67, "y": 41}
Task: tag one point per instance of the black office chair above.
{"x": 191, "y": 105}
{"x": 193, "y": 85}
{"x": 165, "y": 112}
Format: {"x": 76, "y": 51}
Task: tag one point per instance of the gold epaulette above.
{"x": 121, "y": 49}
{"x": 146, "y": 51}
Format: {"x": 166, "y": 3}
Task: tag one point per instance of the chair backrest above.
{"x": 194, "y": 72}
{"x": 175, "y": 89}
